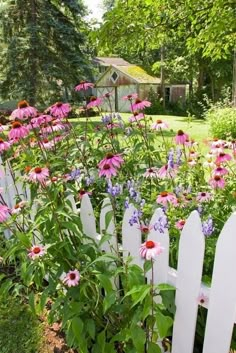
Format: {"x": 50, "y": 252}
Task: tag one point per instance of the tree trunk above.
{"x": 162, "y": 77}
{"x": 234, "y": 81}
{"x": 33, "y": 54}
{"x": 200, "y": 79}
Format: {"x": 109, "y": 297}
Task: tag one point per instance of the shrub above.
{"x": 222, "y": 122}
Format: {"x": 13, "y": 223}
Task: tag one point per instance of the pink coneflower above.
{"x": 94, "y": 102}
{"x": 72, "y": 278}
{"x": 217, "y": 149}
{"x": 52, "y": 126}
{"x": 82, "y": 192}
{"x": 166, "y": 197}
{"x": 220, "y": 171}
{"x": 39, "y": 175}
{"x": 130, "y": 96}
{"x": 204, "y": 196}
{"x": 18, "y": 207}
{"x": 180, "y": 224}
{"x": 4, "y": 145}
{"x": 48, "y": 145}
{"x": 24, "y": 111}
{"x": 202, "y": 299}
{"x": 209, "y": 163}
{"x": 107, "y": 170}
{"x": 39, "y": 120}
{"x": 111, "y": 126}
{"x": 190, "y": 143}
{"x": 151, "y": 173}
{"x": 18, "y": 131}
{"x": 217, "y": 182}
{"x": 193, "y": 154}
{"x": 159, "y": 125}
{"x": 83, "y": 86}
{"x": 165, "y": 172}
{"x": 60, "y": 110}
{"x": 36, "y": 251}
{"x": 191, "y": 162}
{"x": 181, "y": 138}
{"x": 136, "y": 117}
{"x": 217, "y": 143}
{"x": 150, "y": 249}
{"x": 144, "y": 228}
{"x": 4, "y": 213}
{"x": 140, "y": 105}
{"x": 114, "y": 160}
{"x": 223, "y": 157}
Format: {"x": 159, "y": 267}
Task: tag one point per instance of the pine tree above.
{"x": 44, "y": 44}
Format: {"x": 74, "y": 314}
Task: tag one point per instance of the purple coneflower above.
{"x": 60, "y": 110}
{"x": 217, "y": 182}
{"x": 4, "y": 145}
{"x": 167, "y": 172}
{"x": 114, "y": 160}
{"x": 223, "y": 157}
{"x": 204, "y": 197}
{"x": 140, "y": 105}
{"x": 159, "y": 125}
{"x": 23, "y": 111}
{"x": 4, "y": 213}
{"x": 36, "y": 251}
{"x": 220, "y": 171}
{"x": 38, "y": 175}
{"x": 83, "y": 86}
{"x": 166, "y": 197}
{"x": 180, "y": 224}
{"x": 136, "y": 117}
{"x": 130, "y": 97}
{"x": 18, "y": 131}
{"x": 151, "y": 173}
{"x": 72, "y": 278}
{"x": 181, "y": 138}
{"x": 107, "y": 170}
{"x": 94, "y": 102}
{"x": 150, "y": 249}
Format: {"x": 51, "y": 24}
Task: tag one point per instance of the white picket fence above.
{"x": 187, "y": 278}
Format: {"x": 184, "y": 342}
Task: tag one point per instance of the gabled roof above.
{"x": 137, "y": 73}
{"x": 107, "y": 61}
{"x": 134, "y": 72}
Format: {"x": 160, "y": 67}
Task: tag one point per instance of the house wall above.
{"x": 122, "y": 79}
{"x": 178, "y": 93}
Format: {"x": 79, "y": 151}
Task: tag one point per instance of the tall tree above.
{"x": 45, "y": 48}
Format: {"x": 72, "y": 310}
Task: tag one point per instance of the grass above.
{"x": 20, "y": 330}
{"x": 198, "y": 129}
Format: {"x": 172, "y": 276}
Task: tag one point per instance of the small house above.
{"x": 121, "y": 78}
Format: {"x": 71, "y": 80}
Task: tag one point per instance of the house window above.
{"x": 114, "y": 77}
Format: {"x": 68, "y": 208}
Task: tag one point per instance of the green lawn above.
{"x": 197, "y": 128}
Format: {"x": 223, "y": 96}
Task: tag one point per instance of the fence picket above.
{"x": 161, "y": 264}
{"x": 108, "y": 228}
{"x": 190, "y": 263}
{"x": 222, "y": 303}
{"x": 87, "y": 218}
{"x": 131, "y": 237}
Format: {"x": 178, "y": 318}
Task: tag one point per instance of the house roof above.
{"x": 107, "y": 61}
{"x": 134, "y": 72}
{"x": 138, "y": 74}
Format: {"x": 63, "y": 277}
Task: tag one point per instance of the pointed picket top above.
{"x": 188, "y": 283}
{"x": 131, "y": 237}
{"x": 71, "y": 198}
{"x": 107, "y": 225}
{"x": 87, "y": 217}
{"x": 222, "y": 302}
{"x": 161, "y": 263}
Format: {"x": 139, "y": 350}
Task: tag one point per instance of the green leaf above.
{"x": 77, "y": 328}
{"x": 139, "y": 338}
{"x": 147, "y": 265}
{"x": 108, "y": 218}
{"x": 153, "y": 348}
{"x": 164, "y": 286}
{"x": 101, "y": 341}
{"x": 109, "y": 301}
{"x": 105, "y": 282}
{"x": 91, "y": 328}
{"x": 164, "y": 323}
